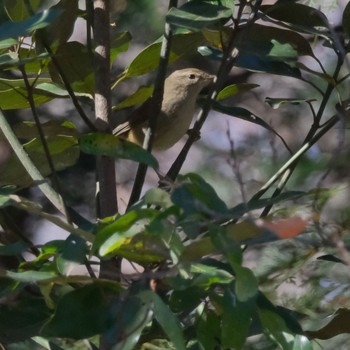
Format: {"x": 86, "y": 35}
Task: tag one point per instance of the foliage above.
{"x": 194, "y": 286}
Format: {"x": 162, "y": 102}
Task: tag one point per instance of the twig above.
{"x": 79, "y": 109}
{"x": 56, "y": 183}
{"x": 31, "y": 169}
{"x": 155, "y": 108}
{"x": 230, "y": 53}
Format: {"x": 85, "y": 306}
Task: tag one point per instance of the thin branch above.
{"x": 230, "y": 53}
{"x": 155, "y": 108}
{"x": 31, "y": 169}
{"x": 310, "y": 135}
{"x": 56, "y": 183}
{"x": 79, "y": 109}
{"x": 293, "y": 160}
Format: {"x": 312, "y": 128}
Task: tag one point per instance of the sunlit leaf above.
{"x": 54, "y": 90}
{"x": 158, "y": 197}
{"x": 13, "y": 93}
{"x": 234, "y": 89}
{"x": 30, "y": 276}
{"x": 140, "y": 96}
{"x": 148, "y": 59}
{"x": 139, "y": 247}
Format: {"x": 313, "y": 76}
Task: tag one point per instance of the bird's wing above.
{"x": 138, "y": 117}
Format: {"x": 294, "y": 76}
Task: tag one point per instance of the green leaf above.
{"x": 234, "y": 89}
{"x": 276, "y": 103}
{"x": 275, "y": 327}
{"x": 77, "y": 64}
{"x": 17, "y": 10}
{"x": 246, "y": 115}
{"x": 301, "y": 15}
{"x": 195, "y": 195}
{"x": 61, "y": 29}
{"x": 278, "y": 323}
{"x": 62, "y": 146}
{"x": 13, "y": 93}
{"x": 236, "y": 319}
{"x": 133, "y": 314}
{"x": 265, "y": 64}
{"x": 141, "y": 247}
{"x": 301, "y": 342}
{"x": 128, "y": 237}
{"x": 346, "y": 19}
{"x": 186, "y": 300}
{"x": 119, "y": 43}
{"x": 246, "y": 285}
{"x": 148, "y": 59}
{"x": 166, "y": 319}
{"x": 30, "y": 276}
{"x": 140, "y": 96}
{"x": 328, "y": 78}
{"x": 101, "y": 144}
{"x": 32, "y": 62}
{"x": 208, "y": 320}
{"x": 53, "y": 90}
{"x": 13, "y": 249}
{"x": 122, "y": 225}
{"x": 158, "y": 197}
{"x": 90, "y": 307}
{"x": 24, "y": 28}
{"x": 74, "y": 252}
{"x": 28, "y": 130}
{"x": 195, "y": 15}
{"x": 273, "y": 43}
{"x": 6, "y": 43}
{"x": 22, "y": 319}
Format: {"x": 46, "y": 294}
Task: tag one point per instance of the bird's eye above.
{"x": 192, "y": 76}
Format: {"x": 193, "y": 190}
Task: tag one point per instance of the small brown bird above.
{"x": 181, "y": 90}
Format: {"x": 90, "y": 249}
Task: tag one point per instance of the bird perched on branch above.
{"x": 181, "y": 90}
